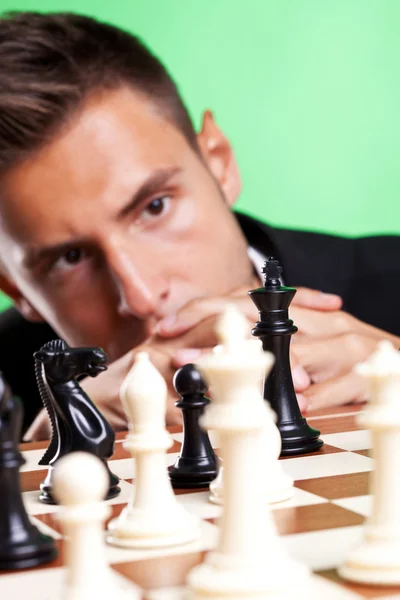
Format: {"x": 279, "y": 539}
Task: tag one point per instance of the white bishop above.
{"x": 153, "y": 517}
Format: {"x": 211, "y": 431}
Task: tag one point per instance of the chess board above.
{"x": 319, "y": 525}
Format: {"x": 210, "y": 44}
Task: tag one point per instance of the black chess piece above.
{"x": 275, "y": 329}
{"x": 196, "y": 465}
{"x": 21, "y": 543}
{"x": 77, "y": 424}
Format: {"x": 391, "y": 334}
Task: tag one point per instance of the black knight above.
{"x": 77, "y": 424}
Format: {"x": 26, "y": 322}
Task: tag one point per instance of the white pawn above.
{"x": 153, "y": 518}
{"x": 277, "y": 485}
{"x": 377, "y": 560}
{"x": 80, "y": 484}
{"x": 250, "y": 561}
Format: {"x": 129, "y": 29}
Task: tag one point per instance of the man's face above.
{"x": 116, "y": 224}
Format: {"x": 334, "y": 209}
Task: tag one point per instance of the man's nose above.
{"x": 141, "y": 289}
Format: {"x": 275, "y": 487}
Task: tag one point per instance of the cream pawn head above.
{"x": 144, "y": 396}
{"x": 235, "y": 372}
{"x": 385, "y": 361}
{"x": 233, "y": 332}
{"x": 80, "y": 478}
{"x": 382, "y": 370}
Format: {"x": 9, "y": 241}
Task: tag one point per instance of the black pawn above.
{"x": 275, "y": 330}
{"x": 21, "y": 543}
{"x": 196, "y": 465}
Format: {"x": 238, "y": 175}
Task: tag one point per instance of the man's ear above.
{"x": 20, "y": 302}
{"x": 218, "y": 154}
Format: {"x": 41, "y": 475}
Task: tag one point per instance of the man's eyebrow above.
{"x": 35, "y": 256}
{"x": 150, "y": 186}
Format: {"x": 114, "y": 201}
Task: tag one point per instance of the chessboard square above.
{"x": 325, "y": 449}
{"x": 336, "y": 423}
{"x": 339, "y": 486}
{"x": 161, "y": 573}
{"x": 31, "y": 480}
{"x": 302, "y": 519}
{"x": 328, "y": 465}
{"x": 361, "y": 504}
{"x": 325, "y": 549}
{"x": 300, "y": 498}
{"x": 32, "y": 458}
{"x": 350, "y": 440}
{"x": 37, "y": 584}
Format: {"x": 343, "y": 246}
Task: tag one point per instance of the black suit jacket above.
{"x": 365, "y": 272}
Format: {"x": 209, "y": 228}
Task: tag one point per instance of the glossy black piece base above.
{"x": 299, "y": 438}
{"x": 46, "y": 487}
{"x": 188, "y": 474}
{"x": 36, "y": 550}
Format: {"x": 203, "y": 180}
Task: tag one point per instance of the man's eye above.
{"x": 70, "y": 258}
{"x": 156, "y": 207}
{"x": 73, "y": 256}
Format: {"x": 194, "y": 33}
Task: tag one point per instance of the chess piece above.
{"x": 196, "y": 465}
{"x": 278, "y": 486}
{"x": 77, "y": 424}
{"x": 21, "y": 543}
{"x": 275, "y": 329}
{"x": 80, "y": 483}
{"x": 154, "y": 518}
{"x": 250, "y": 561}
{"x": 377, "y": 560}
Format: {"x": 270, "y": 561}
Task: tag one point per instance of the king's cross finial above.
{"x": 272, "y": 271}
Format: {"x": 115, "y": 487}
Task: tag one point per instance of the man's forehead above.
{"x": 108, "y": 150}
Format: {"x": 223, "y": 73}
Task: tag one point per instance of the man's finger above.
{"x": 341, "y": 390}
{"x": 308, "y": 298}
{"x": 198, "y": 310}
{"x": 329, "y": 358}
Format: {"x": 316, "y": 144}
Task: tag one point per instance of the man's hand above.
{"x": 328, "y": 346}
{"x": 192, "y": 331}
{"x": 201, "y": 309}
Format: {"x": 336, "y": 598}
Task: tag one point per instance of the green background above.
{"x": 308, "y": 91}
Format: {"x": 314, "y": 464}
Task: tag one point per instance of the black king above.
{"x": 275, "y": 329}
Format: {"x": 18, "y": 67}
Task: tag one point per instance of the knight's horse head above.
{"x": 63, "y": 364}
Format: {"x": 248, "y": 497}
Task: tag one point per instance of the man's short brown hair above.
{"x": 50, "y": 63}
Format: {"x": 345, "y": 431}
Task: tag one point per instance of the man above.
{"x": 116, "y": 226}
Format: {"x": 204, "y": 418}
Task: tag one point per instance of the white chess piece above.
{"x": 80, "y": 484}
{"x": 377, "y": 560}
{"x": 154, "y": 517}
{"x": 250, "y": 560}
{"x": 278, "y": 486}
